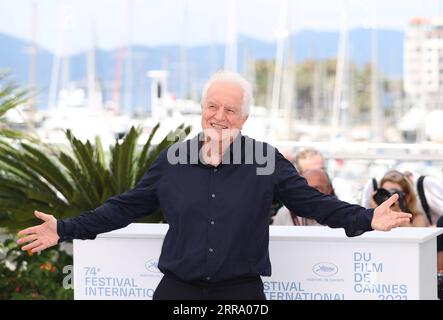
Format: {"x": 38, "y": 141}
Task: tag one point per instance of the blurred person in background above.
{"x": 440, "y": 246}
{"x": 428, "y": 190}
{"x": 396, "y": 182}
{"x": 440, "y": 259}
{"x": 309, "y": 158}
{"x": 317, "y": 179}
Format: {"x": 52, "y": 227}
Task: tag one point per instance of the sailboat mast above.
{"x": 60, "y": 64}
{"x": 340, "y": 99}
{"x": 376, "y": 117}
{"x": 91, "y": 76}
{"x": 33, "y": 59}
{"x": 282, "y": 34}
{"x": 231, "y": 41}
{"x": 128, "y": 65}
{"x": 183, "y": 54}
{"x": 289, "y": 91}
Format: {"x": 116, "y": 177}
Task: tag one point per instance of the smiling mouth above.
{"x": 218, "y": 126}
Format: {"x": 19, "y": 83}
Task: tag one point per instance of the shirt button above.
{"x": 211, "y": 250}
{"x": 215, "y": 170}
{"x": 213, "y": 195}
{"x": 212, "y": 222}
{"x": 208, "y": 278}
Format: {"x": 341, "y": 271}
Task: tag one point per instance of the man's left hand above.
{"x": 385, "y": 219}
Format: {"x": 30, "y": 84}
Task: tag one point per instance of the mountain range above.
{"x": 201, "y": 60}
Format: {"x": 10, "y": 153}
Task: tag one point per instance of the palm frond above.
{"x": 13, "y": 166}
{"x": 64, "y": 182}
{"x": 123, "y": 162}
{"x": 92, "y": 171}
{"x": 82, "y": 197}
{"x": 99, "y": 152}
{"x": 175, "y": 136}
{"x": 11, "y": 96}
{"x": 140, "y": 168}
{"x": 47, "y": 169}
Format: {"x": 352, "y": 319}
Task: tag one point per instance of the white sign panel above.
{"x": 308, "y": 263}
{"x": 338, "y": 271}
{"x": 114, "y": 268}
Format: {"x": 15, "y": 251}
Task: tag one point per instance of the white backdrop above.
{"x": 308, "y": 263}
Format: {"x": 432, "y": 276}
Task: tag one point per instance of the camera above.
{"x": 440, "y": 285}
{"x": 381, "y": 195}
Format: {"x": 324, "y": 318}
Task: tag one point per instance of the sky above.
{"x": 69, "y": 25}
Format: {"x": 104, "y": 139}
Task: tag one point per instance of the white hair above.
{"x": 232, "y": 78}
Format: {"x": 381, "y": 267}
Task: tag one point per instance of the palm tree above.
{"x": 11, "y": 96}
{"x": 37, "y": 176}
{"x": 34, "y": 176}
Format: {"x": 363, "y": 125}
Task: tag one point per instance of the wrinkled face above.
{"x": 311, "y": 163}
{"x": 388, "y": 185}
{"x": 222, "y": 115}
{"x": 319, "y": 182}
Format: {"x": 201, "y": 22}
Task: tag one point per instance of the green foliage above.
{"x": 264, "y": 76}
{"x": 315, "y": 86}
{"x": 24, "y": 275}
{"x": 10, "y": 94}
{"x": 64, "y": 183}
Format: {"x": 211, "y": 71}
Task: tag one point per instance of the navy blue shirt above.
{"x": 218, "y": 216}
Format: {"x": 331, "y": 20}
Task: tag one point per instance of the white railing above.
{"x": 370, "y": 151}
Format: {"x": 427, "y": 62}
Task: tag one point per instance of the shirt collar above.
{"x": 199, "y": 139}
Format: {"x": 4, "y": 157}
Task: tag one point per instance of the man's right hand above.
{"x": 42, "y": 236}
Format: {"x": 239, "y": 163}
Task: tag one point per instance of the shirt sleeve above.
{"x": 307, "y": 202}
{"x": 118, "y": 211}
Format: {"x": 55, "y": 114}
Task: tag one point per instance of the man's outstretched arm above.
{"x": 117, "y": 212}
{"x": 295, "y": 193}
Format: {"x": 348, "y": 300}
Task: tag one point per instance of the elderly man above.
{"x": 215, "y": 191}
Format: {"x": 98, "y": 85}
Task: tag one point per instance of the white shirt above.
{"x": 284, "y": 218}
{"x": 343, "y": 190}
{"x": 433, "y": 189}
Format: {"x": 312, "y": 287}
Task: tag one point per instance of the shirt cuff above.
{"x": 64, "y": 230}
{"x": 363, "y": 224}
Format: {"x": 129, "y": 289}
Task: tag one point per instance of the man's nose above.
{"x": 220, "y": 114}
